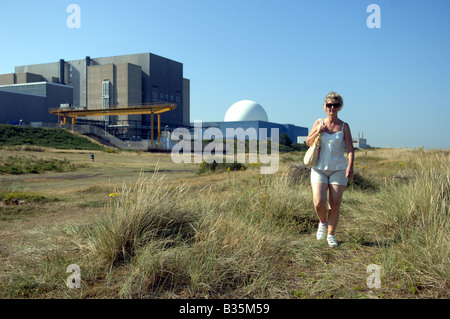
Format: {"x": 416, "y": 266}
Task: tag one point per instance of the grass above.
{"x": 12, "y": 197}
{"x": 204, "y": 167}
{"x": 416, "y": 216}
{"x": 11, "y": 135}
{"x": 154, "y": 229}
{"x": 33, "y": 165}
{"x": 138, "y": 214}
{"x": 16, "y": 205}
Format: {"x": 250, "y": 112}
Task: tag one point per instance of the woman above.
{"x": 331, "y": 172}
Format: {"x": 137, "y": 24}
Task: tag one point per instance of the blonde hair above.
{"x": 333, "y": 96}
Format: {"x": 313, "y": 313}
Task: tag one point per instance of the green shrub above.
{"x": 33, "y": 165}
{"x": 11, "y": 135}
{"x": 299, "y": 173}
{"x": 215, "y": 167}
{"x": 138, "y": 214}
{"x": 12, "y": 197}
{"x": 360, "y": 182}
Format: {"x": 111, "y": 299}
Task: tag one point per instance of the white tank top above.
{"x": 332, "y": 148}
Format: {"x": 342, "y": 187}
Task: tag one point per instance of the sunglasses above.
{"x": 335, "y": 105}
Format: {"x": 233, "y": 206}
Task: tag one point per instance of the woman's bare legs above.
{"x": 336, "y": 193}
{"x": 320, "y": 200}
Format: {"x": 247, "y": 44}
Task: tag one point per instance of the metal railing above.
{"x": 111, "y": 139}
{"x": 87, "y": 129}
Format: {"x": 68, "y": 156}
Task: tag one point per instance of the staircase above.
{"x": 106, "y": 138}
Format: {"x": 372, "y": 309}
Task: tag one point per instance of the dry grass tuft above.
{"x": 233, "y": 234}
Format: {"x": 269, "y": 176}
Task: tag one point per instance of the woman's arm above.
{"x": 350, "y": 150}
{"x": 314, "y": 133}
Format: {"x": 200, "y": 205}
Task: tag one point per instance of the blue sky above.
{"x": 285, "y": 55}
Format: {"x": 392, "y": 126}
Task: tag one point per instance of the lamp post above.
{"x": 167, "y": 137}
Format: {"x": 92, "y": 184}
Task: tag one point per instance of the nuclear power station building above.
{"x": 128, "y": 81}
{"x": 30, "y": 94}
{"x": 98, "y": 83}
{"x": 251, "y": 117}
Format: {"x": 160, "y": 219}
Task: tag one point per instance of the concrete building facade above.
{"x": 251, "y": 127}
{"x": 29, "y": 102}
{"x": 117, "y": 81}
{"x": 19, "y": 78}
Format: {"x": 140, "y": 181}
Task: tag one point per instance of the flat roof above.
{"x": 35, "y": 83}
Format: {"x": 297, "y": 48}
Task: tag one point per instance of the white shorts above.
{"x": 328, "y": 177}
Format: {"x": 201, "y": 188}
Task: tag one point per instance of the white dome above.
{"x": 246, "y": 110}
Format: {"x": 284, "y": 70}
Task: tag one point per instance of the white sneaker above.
{"x": 332, "y": 241}
{"x": 322, "y": 231}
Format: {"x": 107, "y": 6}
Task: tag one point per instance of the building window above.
{"x": 105, "y": 94}
{"x": 106, "y": 84}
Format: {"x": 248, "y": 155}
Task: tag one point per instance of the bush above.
{"x": 361, "y": 182}
{"x": 299, "y": 147}
{"x": 11, "y": 135}
{"x": 15, "y": 197}
{"x": 215, "y": 167}
{"x": 299, "y": 173}
{"x": 285, "y": 140}
{"x": 33, "y": 165}
{"x": 148, "y": 211}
